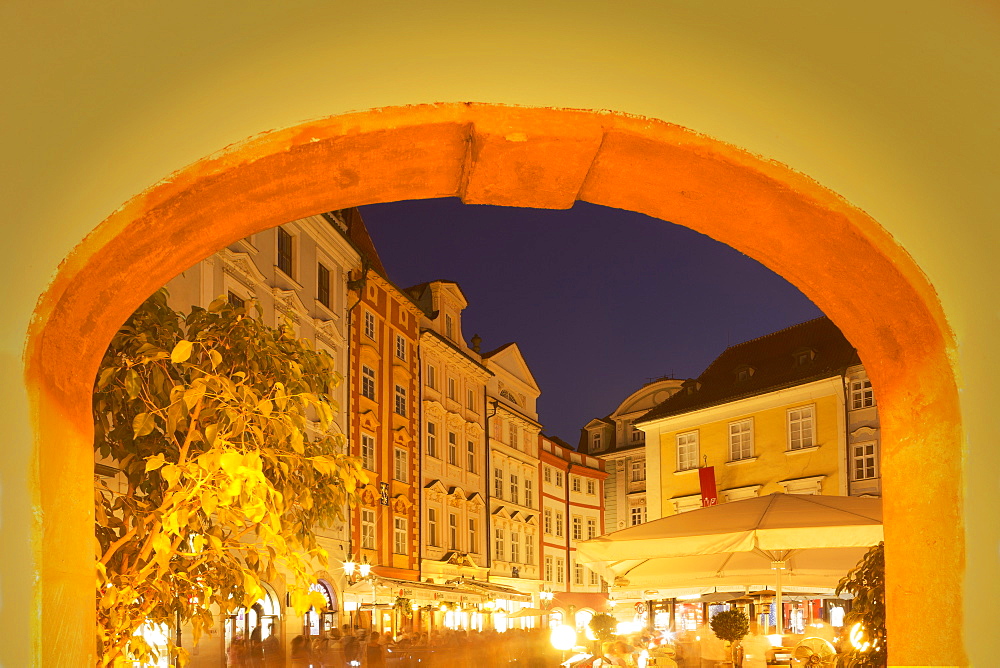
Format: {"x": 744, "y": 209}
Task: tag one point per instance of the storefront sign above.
{"x": 383, "y": 492}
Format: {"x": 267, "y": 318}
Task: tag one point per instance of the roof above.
{"x": 771, "y": 364}
{"x": 357, "y": 232}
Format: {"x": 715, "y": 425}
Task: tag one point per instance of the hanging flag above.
{"x": 709, "y": 497}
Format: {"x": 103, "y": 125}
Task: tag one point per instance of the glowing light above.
{"x": 857, "y": 638}
{"x": 688, "y": 597}
{"x": 563, "y": 637}
{"x": 612, "y": 603}
{"x": 775, "y": 640}
{"x": 349, "y": 566}
{"x": 625, "y": 628}
{"x": 365, "y": 569}
{"x": 414, "y": 606}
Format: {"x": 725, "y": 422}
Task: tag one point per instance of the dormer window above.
{"x": 690, "y": 386}
{"x": 449, "y": 326}
{"x": 744, "y": 373}
{"x": 595, "y": 441}
{"x": 803, "y": 356}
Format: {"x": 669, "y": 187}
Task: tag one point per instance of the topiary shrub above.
{"x": 732, "y": 625}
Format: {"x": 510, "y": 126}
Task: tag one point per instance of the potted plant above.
{"x": 866, "y": 620}
{"x": 732, "y": 626}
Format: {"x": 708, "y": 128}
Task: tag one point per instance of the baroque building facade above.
{"x": 792, "y": 411}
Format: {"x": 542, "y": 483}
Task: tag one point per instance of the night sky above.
{"x": 599, "y": 300}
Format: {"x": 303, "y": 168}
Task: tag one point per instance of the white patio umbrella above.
{"x": 785, "y": 539}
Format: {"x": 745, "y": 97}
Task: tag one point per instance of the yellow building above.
{"x": 768, "y": 415}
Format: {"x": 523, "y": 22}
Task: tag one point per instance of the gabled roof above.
{"x": 770, "y": 363}
{"x": 509, "y": 358}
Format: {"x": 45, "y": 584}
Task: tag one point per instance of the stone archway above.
{"x": 838, "y": 256}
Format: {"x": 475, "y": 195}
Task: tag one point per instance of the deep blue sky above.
{"x": 599, "y": 300}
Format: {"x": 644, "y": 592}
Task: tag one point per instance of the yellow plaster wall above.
{"x": 892, "y": 105}
{"x": 770, "y": 432}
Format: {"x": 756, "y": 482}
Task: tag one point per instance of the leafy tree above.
{"x": 731, "y": 625}
{"x": 867, "y": 583}
{"x": 220, "y": 426}
{"x": 603, "y": 625}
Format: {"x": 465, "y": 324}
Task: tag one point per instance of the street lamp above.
{"x": 545, "y": 597}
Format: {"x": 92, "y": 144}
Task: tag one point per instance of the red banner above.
{"x": 709, "y": 497}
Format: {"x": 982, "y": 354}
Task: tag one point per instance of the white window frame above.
{"x": 741, "y": 440}
{"x": 400, "y": 348}
{"x": 687, "y": 450}
{"x": 529, "y": 492}
{"x": 549, "y": 569}
{"x": 591, "y": 527}
{"x": 594, "y": 578}
{"x": 559, "y": 525}
{"x": 591, "y": 486}
{"x": 471, "y": 456}
{"x": 498, "y": 483}
{"x": 432, "y": 527}
{"x": 637, "y": 470}
{"x": 577, "y": 573}
{"x": 368, "y": 529}
{"x": 547, "y": 473}
{"x": 399, "y": 535}
{"x": 547, "y": 521}
{"x": 399, "y": 405}
{"x": 473, "y": 535}
{"x": 452, "y": 389}
{"x": 577, "y": 522}
{"x": 432, "y": 440}
{"x": 453, "y": 448}
{"x": 529, "y": 550}
{"x": 369, "y": 326}
{"x": 498, "y": 551}
{"x": 868, "y": 460}
{"x": 862, "y": 394}
{"x": 470, "y": 402}
{"x": 576, "y": 484}
{"x": 515, "y": 546}
{"x": 559, "y": 478}
{"x": 283, "y": 233}
{"x": 368, "y": 451}
{"x": 595, "y": 441}
{"x": 400, "y": 469}
{"x": 801, "y": 427}
{"x": 369, "y": 382}
{"x": 560, "y": 570}
{"x": 515, "y": 488}
{"x": 637, "y": 515}
{"x": 431, "y": 379}
{"x": 453, "y": 531}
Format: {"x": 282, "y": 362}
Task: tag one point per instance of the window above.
{"x": 473, "y": 536}
{"x": 285, "y": 252}
{"x": 529, "y": 550}
{"x": 515, "y": 547}
{"x": 800, "y": 428}
{"x": 638, "y": 515}
{"x": 687, "y": 451}
{"x": 453, "y": 448}
{"x": 591, "y": 528}
{"x": 547, "y": 521}
{"x": 514, "y": 433}
{"x": 400, "y": 348}
{"x": 559, "y": 524}
{"x": 576, "y": 483}
{"x": 594, "y": 579}
{"x": 591, "y": 487}
{"x": 432, "y": 448}
{"x": 547, "y": 473}
{"x": 577, "y": 528}
{"x": 368, "y": 451}
{"x": 432, "y": 527}
{"x": 449, "y": 326}
{"x": 560, "y": 570}
{"x": 471, "y": 457}
{"x": 452, "y": 389}
{"x": 322, "y": 285}
{"x": 399, "y": 542}
{"x": 548, "y": 568}
{"x": 453, "y": 531}
{"x": 369, "y": 325}
{"x": 431, "y": 379}
{"x": 577, "y": 574}
{"x": 470, "y": 401}
{"x": 235, "y": 300}
{"x": 740, "y": 440}
{"x": 637, "y": 467}
{"x": 636, "y": 435}
{"x": 368, "y": 382}
{"x": 529, "y": 493}
{"x": 400, "y": 400}
{"x": 861, "y": 394}
{"x": 515, "y": 490}
{"x": 559, "y": 478}
{"x": 498, "y": 483}
{"x": 595, "y": 441}
{"x": 498, "y": 544}
{"x": 864, "y": 461}
{"x": 400, "y": 471}
{"x": 368, "y": 529}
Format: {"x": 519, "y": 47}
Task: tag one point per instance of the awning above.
{"x": 386, "y": 590}
{"x": 494, "y": 590}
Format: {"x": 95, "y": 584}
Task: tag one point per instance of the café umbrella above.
{"x": 780, "y": 539}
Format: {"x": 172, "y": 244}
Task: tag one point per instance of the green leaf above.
{"x": 181, "y": 352}
{"x": 231, "y": 462}
{"x": 216, "y": 357}
{"x": 154, "y": 462}
{"x": 211, "y": 431}
{"x": 142, "y": 424}
{"x": 132, "y": 384}
{"x": 105, "y": 377}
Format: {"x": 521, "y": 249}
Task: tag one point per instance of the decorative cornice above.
{"x": 241, "y": 267}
